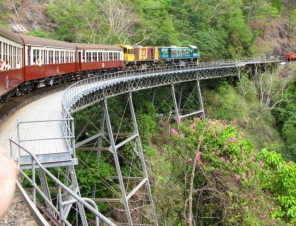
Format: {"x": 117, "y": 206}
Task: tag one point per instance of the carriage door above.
{"x": 80, "y": 56}
{"x": 151, "y": 53}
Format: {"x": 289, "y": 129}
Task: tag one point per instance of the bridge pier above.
{"x": 141, "y": 185}
{"x": 179, "y": 106}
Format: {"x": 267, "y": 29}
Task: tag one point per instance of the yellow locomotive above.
{"x": 139, "y": 57}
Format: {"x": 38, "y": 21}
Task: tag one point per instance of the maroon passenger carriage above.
{"x": 47, "y": 61}
{"x": 93, "y": 57}
{"x": 38, "y": 61}
{"x": 11, "y": 47}
{"x": 52, "y": 61}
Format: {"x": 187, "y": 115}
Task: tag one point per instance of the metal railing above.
{"x": 77, "y": 90}
{"x": 61, "y": 129}
{"x": 62, "y": 191}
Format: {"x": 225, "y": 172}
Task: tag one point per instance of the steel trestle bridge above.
{"x": 42, "y": 144}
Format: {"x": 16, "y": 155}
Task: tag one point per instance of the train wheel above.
{"x": 83, "y": 76}
{"x": 18, "y": 93}
{"x": 60, "y": 80}
{"x": 77, "y": 77}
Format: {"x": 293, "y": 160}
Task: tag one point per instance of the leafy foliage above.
{"x": 285, "y": 116}
{"x": 233, "y": 183}
{"x": 219, "y": 29}
{"x": 279, "y": 180}
{"x": 38, "y": 33}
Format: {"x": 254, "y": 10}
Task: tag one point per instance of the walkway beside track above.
{"x": 37, "y": 127}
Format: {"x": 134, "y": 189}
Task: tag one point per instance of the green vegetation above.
{"x": 276, "y": 4}
{"x": 219, "y": 29}
{"x": 286, "y": 119}
{"x": 229, "y": 181}
{"x": 4, "y": 16}
{"x": 230, "y": 163}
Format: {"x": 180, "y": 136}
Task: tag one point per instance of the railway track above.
{"x": 17, "y": 102}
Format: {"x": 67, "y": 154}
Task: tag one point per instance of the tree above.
{"x": 120, "y": 20}
{"x": 4, "y": 16}
{"x": 66, "y": 16}
{"x": 269, "y": 87}
{"x": 213, "y": 173}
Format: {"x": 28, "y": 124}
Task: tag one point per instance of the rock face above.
{"x": 18, "y": 213}
{"x": 27, "y": 15}
{"x": 276, "y": 39}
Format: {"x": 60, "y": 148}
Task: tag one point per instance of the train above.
{"x": 291, "y": 56}
{"x": 28, "y": 62}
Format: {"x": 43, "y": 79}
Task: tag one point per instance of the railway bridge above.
{"x": 46, "y": 140}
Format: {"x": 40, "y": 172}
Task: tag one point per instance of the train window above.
{"x": 105, "y": 56}
{"x": 100, "y": 56}
{"x": 40, "y": 59}
{"x": 19, "y": 58}
{"x": 62, "y": 57}
{"x": 46, "y": 56}
{"x": 5, "y": 51}
{"x": 14, "y": 57}
{"x": 45, "y": 59}
{"x": 110, "y": 56}
{"x": 72, "y": 57}
{"x": 56, "y": 57}
{"x": 66, "y": 56}
{"x": 95, "y": 57}
{"x": 35, "y": 55}
{"x": 50, "y": 57}
{"x": 11, "y": 54}
{"x": 88, "y": 56}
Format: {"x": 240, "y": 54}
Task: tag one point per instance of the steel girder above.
{"x": 115, "y": 87}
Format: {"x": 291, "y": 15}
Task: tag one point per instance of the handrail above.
{"x": 66, "y": 123}
{"x": 59, "y": 184}
{"x": 77, "y": 89}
